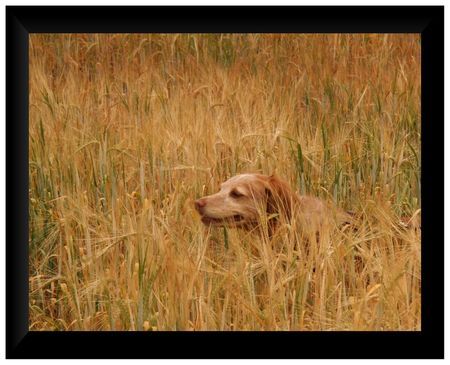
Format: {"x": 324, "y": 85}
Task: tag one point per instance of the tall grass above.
{"x": 127, "y": 130}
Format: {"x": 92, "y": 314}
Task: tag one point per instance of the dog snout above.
{"x": 199, "y": 204}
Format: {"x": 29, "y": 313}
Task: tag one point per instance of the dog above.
{"x": 248, "y": 200}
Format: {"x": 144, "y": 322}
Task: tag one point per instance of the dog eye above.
{"x": 236, "y": 194}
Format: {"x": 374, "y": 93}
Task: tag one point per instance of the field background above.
{"x": 126, "y": 131}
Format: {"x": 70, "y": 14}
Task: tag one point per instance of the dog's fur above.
{"x": 245, "y": 200}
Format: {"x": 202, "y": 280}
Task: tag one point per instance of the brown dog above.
{"x": 246, "y": 200}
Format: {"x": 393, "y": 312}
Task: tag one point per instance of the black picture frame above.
{"x": 23, "y": 20}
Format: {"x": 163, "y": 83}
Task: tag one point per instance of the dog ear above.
{"x": 279, "y": 197}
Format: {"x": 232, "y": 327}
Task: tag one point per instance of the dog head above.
{"x": 245, "y": 199}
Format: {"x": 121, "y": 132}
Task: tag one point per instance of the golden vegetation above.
{"x": 126, "y": 131}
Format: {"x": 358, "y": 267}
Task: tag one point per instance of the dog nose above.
{"x": 199, "y": 204}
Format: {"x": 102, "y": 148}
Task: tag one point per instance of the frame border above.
{"x": 22, "y": 20}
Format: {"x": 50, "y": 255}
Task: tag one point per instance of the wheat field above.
{"x": 127, "y": 130}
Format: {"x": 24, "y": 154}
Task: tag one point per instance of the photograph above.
{"x": 224, "y": 182}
